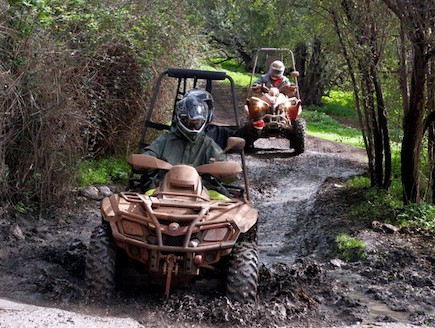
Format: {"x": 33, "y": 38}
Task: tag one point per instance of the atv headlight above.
{"x": 217, "y": 234}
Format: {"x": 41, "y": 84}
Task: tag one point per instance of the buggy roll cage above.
{"x": 271, "y": 55}
{"x": 185, "y": 75}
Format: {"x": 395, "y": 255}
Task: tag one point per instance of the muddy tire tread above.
{"x": 100, "y": 272}
{"x": 297, "y": 141}
{"x": 242, "y": 278}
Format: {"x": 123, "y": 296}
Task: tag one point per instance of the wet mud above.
{"x": 303, "y": 206}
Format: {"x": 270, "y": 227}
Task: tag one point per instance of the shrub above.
{"x": 104, "y": 171}
{"x": 75, "y": 76}
{"x": 350, "y": 249}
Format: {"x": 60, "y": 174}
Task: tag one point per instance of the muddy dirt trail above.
{"x": 303, "y": 205}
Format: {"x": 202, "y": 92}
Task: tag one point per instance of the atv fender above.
{"x": 141, "y": 162}
{"x": 220, "y": 170}
{"x": 246, "y": 218}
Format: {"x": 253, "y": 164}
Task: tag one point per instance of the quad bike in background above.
{"x": 180, "y": 231}
{"x": 275, "y": 112}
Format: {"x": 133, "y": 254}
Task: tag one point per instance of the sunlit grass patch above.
{"x": 339, "y": 103}
{"x": 232, "y": 69}
{"x": 103, "y": 171}
{"x": 351, "y": 249}
{"x": 323, "y": 126}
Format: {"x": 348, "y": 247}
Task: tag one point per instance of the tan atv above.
{"x": 180, "y": 231}
{"x": 275, "y": 112}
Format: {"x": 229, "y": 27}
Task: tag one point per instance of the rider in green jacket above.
{"x": 187, "y": 142}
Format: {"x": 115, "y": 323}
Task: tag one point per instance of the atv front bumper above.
{"x": 198, "y": 234}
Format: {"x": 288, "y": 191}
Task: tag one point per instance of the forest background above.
{"x": 77, "y": 76}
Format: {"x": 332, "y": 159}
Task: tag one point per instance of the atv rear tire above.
{"x": 242, "y": 278}
{"x": 100, "y": 274}
{"x": 297, "y": 140}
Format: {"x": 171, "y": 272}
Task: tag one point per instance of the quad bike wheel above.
{"x": 242, "y": 278}
{"x": 297, "y": 140}
{"x": 100, "y": 274}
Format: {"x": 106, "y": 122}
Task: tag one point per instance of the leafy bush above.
{"x": 358, "y": 182}
{"x": 351, "y": 249}
{"x": 339, "y": 103}
{"x": 103, "y": 171}
{"x": 380, "y": 205}
{"x": 418, "y": 216}
{"x": 75, "y": 77}
{"x": 387, "y": 206}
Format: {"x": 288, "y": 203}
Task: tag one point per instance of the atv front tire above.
{"x": 297, "y": 140}
{"x": 242, "y": 278}
{"x": 100, "y": 272}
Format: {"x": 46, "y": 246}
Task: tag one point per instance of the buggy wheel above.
{"x": 249, "y": 147}
{"x": 297, "y": 140}
{"x": 100, "y": 274}
{"x": 242, "y": 278}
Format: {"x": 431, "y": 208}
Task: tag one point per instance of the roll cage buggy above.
{"x": 178, "y": 232}
{"x": 281, "y": 117}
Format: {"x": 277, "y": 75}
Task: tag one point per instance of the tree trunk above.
{"x": 313, "y": 88}
{"x": 413, "y": 129}
{"x": 363, "y": 126}
{"x": 403, "y": 70}
{"x": 301, "y": 55}
{"x": 366, "y": 50}
{"x": 373, "y": 137}
{"x": 383, "y": 131}
{"x": 430, "y": 127}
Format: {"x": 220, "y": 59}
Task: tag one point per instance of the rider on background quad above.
{"x": 273, "y": 78}
{"x": 187, "y": 142}
{"x": 269, "y": 86}
{"x": 277, "y": 96}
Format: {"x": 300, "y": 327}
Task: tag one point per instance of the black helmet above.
{"x": 191, "y": 116}
{"x": 206, "y": 97}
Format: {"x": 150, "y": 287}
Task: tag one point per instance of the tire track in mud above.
{"x": 283, "y": 189}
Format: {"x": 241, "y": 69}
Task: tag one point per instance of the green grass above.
{"x": 323, "y": 126}
{"x": 324, "y": 121}
{"x": 232, "y": 69}
{"x": 350, "y": 249}
{"x": 103, "y": 171}
{"x": 339, "y": 103}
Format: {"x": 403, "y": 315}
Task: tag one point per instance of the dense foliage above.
{"x": 77, "y": 76}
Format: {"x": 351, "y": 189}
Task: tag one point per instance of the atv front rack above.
{"x": 175, "y": 222}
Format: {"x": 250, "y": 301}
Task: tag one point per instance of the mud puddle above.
{"x": 284, "y": 193}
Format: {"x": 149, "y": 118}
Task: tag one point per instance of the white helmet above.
{"x": 277, "y": 68}
{"x": 191, "y": 116}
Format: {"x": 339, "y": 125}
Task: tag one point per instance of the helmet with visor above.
{"x": 191, "y": 116}
{"x": 206, "y": 97}
{"x": 276, "y": 69}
